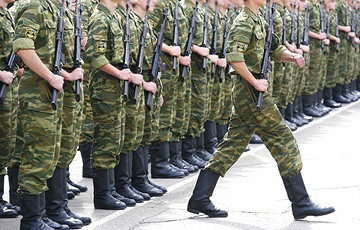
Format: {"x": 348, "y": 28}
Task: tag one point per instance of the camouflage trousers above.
{"x": 304, "y": 72}
{"x": 225, "y": 101}
{"x": 278, "y": 70}
{"x": 343, "y": 62}
{"x": 108, "y": 115}
{"x": 269, "y": 125}
{"x": 8, "y": 124}
{"x": 350, "y": 63}
{"x": 314, "y": 72}
{"x": 41, "y": 126}
{"x": 71, "y": 126}
{"x": 15, "y": 160}
{"x": 182, "y": 109}
{"x": 87, "y": 127}
{"x": 332, "y": 67}
{"x": 286, "y": 85}
{"x": 322, "y": 78}
{"x": 199, "y": 102}
{"x": 215, "y": 97}
{"x": 167, "y": 111}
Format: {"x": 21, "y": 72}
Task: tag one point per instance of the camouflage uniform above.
{"x": 36, "y": 30}
{"x": 8, "y": 109}
{"x": 246, "y": 44}
{"x": 332, "y": 59}
{"x": 343, "y": 43}
{"x": 105, "y": 46}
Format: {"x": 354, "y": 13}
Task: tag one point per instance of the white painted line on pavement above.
{"x": 193, "y": 177}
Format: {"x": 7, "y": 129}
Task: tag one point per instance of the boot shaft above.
{"x": 13, "y": 174}
{"x": 101, "y": 181}
{"x": 205, "y": 185}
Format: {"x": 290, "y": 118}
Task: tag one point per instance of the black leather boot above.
{"x": 320, "y": 101}
{"x": 5, "y": 212}
{"x": 308, "y": 108}
{"x": 82, "y": 188}
{"x": 189, "y": 152}
{"x": 328, "y": 99}
{"x": 200, "y": 148}
{"x": 291, "y": 126}
{"x": 346, "y": 94}
{"x": 46, "y": 219}
{"x": 122, "y": 176}
{"x": 302, "y": 205}
{"x": 221, "y": 130}
{"x": 337, "y": 95}
{"x": 102, "y": 197}
{"x": 301, "y": 110}
{"x": 115, "y": 194}
{"x": 84, "y": 219}
{"x": 13, "y": 174}
{"x": 30, "y": 206}
{"x": 143, "y": 194}
{"x": 138, "y": 179}
{"x": 296, "y": 112}
{"x": 200, "y": 199}
{"x": 353, "y": 90}
{"x": 146, "y": 163}
{"x": 54, "y": 199}
{"x": 176, "y": 159}
{"x": 210, "y": 137}
{"x": 85, "y": 150}
{"x": 289, "y": 115}
{"x": 160, "y": 162}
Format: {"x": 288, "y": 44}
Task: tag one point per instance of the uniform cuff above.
{"x": 235, "y": 57}
{"x": 23, "y": 44}
{"x": 98, "y": 62}
{"x": 278, "y": 52}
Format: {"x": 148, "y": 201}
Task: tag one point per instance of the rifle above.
{"x": 352, "y": 21}
{"x": 327, "y": 29}
{"x": 337, "y": 28}
{"x": 9, "y": 68}
{"x": 347, "y": 19}
{"x": 214, "y": 38}
{"x": 126, "y": 64}
{"x": 176, "y": 33}
{"x": 266, "y": 17}
{"x": 156, "y": 61}
{"x": 292, "y": 33}
{"x": 189, "y": 41}
{"x": 306, "y": 28}
{"x": 206, "y": 30}
{"x": 228, "y": 67}
{"x": 284, "y": 29}
{"x": 77, "y": 51}
{"x": 357, "y": 26}
{"x": 298, "y": 36}
{"x": 59, "y": 56}
{"x": 140, "y": 59}
{"x": 265, "y": 61}
{"x": 226, "y": 34}
{"x": 322, "y": 23}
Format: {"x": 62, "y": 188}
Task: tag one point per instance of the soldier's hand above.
{"x": 261, "y": 85}
{"x": 57, "y": 82}
{"x": 161, "y": 100}
{"x": 6, "y": 77}
{"x": 203, "y": 51}
{"x": 185, "y": 60}
{"x": 20, "y": 72}
{"x": 357, "y": 40}
{"x": 213, "y": 58}
{"x": 175, "y": 51}
{"x": 222, "y": 62}
{"x": 299, "y": 51}
{"x": 150, "y": 87}
{"x": 327, "y": 42}
{"x": 76, "y": 74}
{"x": 306, "y": 49}
{"x": 125, "y": 74}
{"x": 299, "y": 60}
{"x": 322, "y": 36}
{"x": 352, "y": 34}
{"x": 137, "y": 79}
{"x": 337, "y": 40}
{"x": 347, "y": 29}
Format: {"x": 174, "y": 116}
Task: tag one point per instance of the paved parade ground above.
{"x": 252, "y": 191}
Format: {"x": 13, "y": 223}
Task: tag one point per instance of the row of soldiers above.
{"x": 192, "y": 96}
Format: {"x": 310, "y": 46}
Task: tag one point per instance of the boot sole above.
{"x": 195, "y": 211}
{"x": 322, "y": 214}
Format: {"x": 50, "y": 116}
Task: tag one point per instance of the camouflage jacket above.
{"x": 36, "y": 26}
{"x": 6, "y": 37}
{"x": 247, "y": 41}
{"x": 89, "y": 7}
{"x": 105, "y": 38}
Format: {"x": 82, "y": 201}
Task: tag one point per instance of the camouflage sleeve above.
{"x": 276, "y": 48}
{"x": 314, "y": 18}
{"x": 156, "y": 16}
{"x": 239, "y": 38}
{"x": 341, "y": 14}
{"x": 28, "y": 21}
{"x": 85, "y": 19}
{"x": 97, "y": 42}
{"x": 278, "y": 24}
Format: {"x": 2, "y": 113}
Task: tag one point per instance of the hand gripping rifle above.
{"x": 206, "y": 31}
{"x": 156, "y": 61}
{"x": 225, "y": 38}
{"x": 265, "y": 61}
{"x": 214, "y": 38}
{"x": 228, "y": 67}
{"x": 327, "y": 28}
{"x": 126, "y": 64}
{"x": 189, "y": 42}
{"x": 77, "y": 51}
{"x": 9, "y": 68}
{"x": 59, "y": 56}
{"x": 336, "y": 28}
{"x": 176, "y": 33}
{"x": 140, "y": 59}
